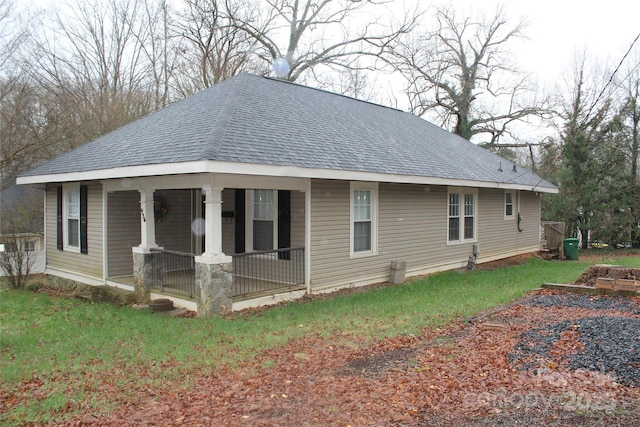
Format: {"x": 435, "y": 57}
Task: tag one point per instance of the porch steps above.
{"x": 111, "y": 295}
{"x": 176, "y": 312}
{"x": 268, "y": 292}
{"x": 590, "y": 290}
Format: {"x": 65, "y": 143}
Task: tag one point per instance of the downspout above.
{"x": 307, "y": 237}
{"x": 519, "y": 216}
{"x": 105, "y": 230}
{"x": 44, "y": 248}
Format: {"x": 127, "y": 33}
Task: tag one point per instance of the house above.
{"x": 21, "y": 226}
{"x": 258, "y": 189}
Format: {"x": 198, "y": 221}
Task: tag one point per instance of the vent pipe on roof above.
{"x": 500, "y": 167}
{"x": 515, "y": 169}
{"x": 281, "y": 68}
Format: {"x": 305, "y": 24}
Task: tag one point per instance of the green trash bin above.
{"x": 572, "y": 248}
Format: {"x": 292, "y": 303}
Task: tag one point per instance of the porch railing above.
{"x": 253, "y": 272}
{"x": 264, "y": 271}
{"x": 174, "y": 271}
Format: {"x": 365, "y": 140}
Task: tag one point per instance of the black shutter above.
{"x": 59, "y": 239}
{"x": 284, "y": 223}
{"x": 83, "y": 220}
{"x": 239, "y": 218}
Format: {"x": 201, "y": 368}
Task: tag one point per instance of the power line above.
{"x": 613, "y": 75}
{"x": 628, "y": 74}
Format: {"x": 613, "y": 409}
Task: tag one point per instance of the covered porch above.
{"x": 254, "y": 274}
{"x": 216, "y": 244}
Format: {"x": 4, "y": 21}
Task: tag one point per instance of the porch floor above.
{"x": 263, "y": 289}
{"x": 125, "y": 280}
{"x": 254, "y": 289}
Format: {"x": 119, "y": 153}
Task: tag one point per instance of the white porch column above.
{"x": 214, "y": 279}
{"x": 147, "y": 220}
{"x": 142, "y": 256}
{"x": 213, "y": 226}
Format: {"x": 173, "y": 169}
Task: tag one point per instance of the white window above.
{"x": 469, "y": 217}
{"x": 363, "y": 218}
{"x": 461, "y": 215}
{"x": 454, "y": 217}
{"x": 72, "y": 218}
{"x": 29, "y": 246}
{"x": 264, "y": 220}
{"x": 508, "y": 205}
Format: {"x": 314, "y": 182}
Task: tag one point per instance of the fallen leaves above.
{"x": 462, "y": 371}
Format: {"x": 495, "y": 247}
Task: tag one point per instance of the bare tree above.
{"x": 20, "y": 222}
{"x": 95, "y": 64}
{"x": 214, "y": 49}
{"x": 82, "y": 74}
{"x": 461, "y": 72}
{"x": 593, "y": 174}
{"x": 356, "y": 82}
{"x": 18, "y": 99}
{"x": 21, "y": 141}
{"x": 309, "y": 33}
{"x": 630, "y": 114}
{"x": 14, "y": 32}
{"x": 16, "y": 260}
{"x": 152, "y": 33}
{"x": 629, "y": 121}
{"x": 161, "y": 44}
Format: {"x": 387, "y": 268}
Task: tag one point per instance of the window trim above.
{"x": 66, "y": 189}
{"x": 62, "y": 218}
{"x": 363, "y": 186}
{"x": 29, "y": 246}
{"x": 462, "y": 192}
{"x": 249, "y": 218}
{"x": 513, "y": 205}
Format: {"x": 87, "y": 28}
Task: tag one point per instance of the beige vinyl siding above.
{"x": 89, "y": 264}
{"x": 229, "y": 223}
{"x": 173, "y": 232}
{"x": 529, "y": 205}
{"x": 330, "y": 262}
{"x": 412, "y": 226}
{"x": 123, "y": 231}
{"x": 498, "y": 235}
{"x": 494, "y": 231}
{"x": 297, "y": 218}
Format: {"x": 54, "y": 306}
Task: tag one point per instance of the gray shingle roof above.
{"x": 259, "y": 120}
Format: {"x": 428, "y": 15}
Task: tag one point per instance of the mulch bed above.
{"x": 549, "y": 359}
{"x": 592, "y": 273}
{"x": 545, "y": 364}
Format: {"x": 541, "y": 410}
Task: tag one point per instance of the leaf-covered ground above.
{"x": 471, "y": 373}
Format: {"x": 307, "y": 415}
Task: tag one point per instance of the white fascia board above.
{"x": 235, "y": 168}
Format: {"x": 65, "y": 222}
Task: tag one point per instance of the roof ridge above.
{"x": 275, "y": 79}
{"x": 217, "y": 132}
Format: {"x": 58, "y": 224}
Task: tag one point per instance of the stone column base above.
{"x": 142, "y": 275}
{"x": 213, "y": 288}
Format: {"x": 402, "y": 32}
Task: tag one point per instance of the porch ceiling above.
{"x": 216, "y": 180}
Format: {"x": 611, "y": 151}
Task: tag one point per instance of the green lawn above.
{"x": 60, "y": 342}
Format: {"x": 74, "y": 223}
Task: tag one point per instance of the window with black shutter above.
{"x": 71, "y": 218}
{"x": 284, "y": 223}
{"x": 84, "y": 242}
{"x": 59, "y": 228}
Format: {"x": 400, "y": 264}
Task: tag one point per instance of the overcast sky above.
{"x": 556, "y": 28}
{"x": 559, "y": 28}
